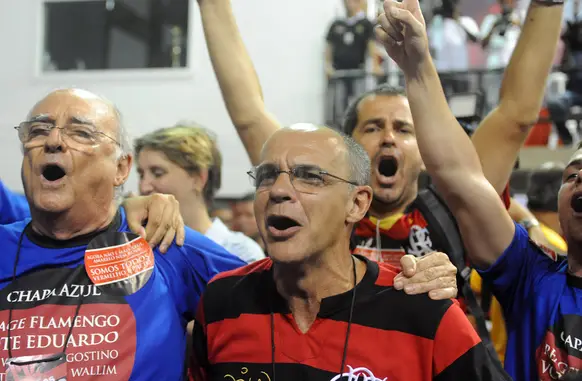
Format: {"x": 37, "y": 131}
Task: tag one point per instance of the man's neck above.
{"x": 305, "y": 284}
{"x": 382, "y": 210}
{"x": 195, "y": 215}
{"x": 72, "y": 223}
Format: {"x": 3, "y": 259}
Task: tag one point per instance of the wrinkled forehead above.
{"x": 575, "y": 160}
{"x": 319, "y": 148}
{"x": 74, "y": 105}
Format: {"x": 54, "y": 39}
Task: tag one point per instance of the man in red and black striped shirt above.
{"x": 299, "y": 314}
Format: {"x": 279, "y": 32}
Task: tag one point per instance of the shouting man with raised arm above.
{"x": 540, "y": 297}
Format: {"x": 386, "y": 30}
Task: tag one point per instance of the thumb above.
{"x": 134, "y": 223}
{"x": 408, "y": 264}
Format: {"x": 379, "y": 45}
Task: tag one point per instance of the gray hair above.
{"x": 358, "y": 160}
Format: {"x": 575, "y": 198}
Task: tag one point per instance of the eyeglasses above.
{"x": 304, "y": 178}
{"x": 33, "y": 134}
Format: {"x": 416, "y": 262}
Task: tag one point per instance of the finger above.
{"x": 163, "y": 227}
{"x": 155, "y": 219}
{"x": 445, "y": 293}
{"x": 434, "y": 259}
{"x": 404, "y": 16}
{"x": 167, "y": 239}
{"x": 393, "y": 31}
{"x": 135, "y": 219}
{"x": 434, "y": 285}
{"x": 408, "y": 265}
{"x": 180, "y": 231}
{"x": 431, "y": 274}
{"x": 382, "y": 36}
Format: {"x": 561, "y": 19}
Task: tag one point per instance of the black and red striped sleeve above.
{"x": 199, "y": 361}
{"x": 459, "y": 353}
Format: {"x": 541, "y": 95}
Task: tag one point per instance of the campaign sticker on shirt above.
{"x": 119, "y": 263}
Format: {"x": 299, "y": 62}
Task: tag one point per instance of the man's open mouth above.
{"x": 281, "y": 223}
{"x": 53, "y": 172}
{"x": 388, "y": 166}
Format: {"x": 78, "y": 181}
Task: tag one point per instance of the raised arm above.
{"x": 446, "y": 150}
{"x": 502, "y": 133}
{"x": 236, "y": 76}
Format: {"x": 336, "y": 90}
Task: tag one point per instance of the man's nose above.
{"x": 54, "y": 142}
{"x": 282, "y": 189}
{"x": 389, "y": 137}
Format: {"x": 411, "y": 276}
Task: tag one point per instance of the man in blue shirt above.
{"x": 540, "y": 294}
{"x": 75, "y": 156}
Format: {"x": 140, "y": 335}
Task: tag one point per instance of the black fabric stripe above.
{"x": 377, "y": 307}
{"x": 83, "y": 240}
{"x": 475, "y": 365}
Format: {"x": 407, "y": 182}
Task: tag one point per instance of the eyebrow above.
{"x": 48, "y": 119}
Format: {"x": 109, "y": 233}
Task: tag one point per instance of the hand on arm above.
{"x": 447, "y": 152}
{"x": 522, "y": 91}
{"x": 433, "y": 273}
{"x": 164, "y": 221}
{"x": 236, "y": 76}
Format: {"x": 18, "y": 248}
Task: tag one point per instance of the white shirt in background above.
{"x": 449, "y": 42}
{"x": 500, "y": 47}
{"x": 234, "y": 242}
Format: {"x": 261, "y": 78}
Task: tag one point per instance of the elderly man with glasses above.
{"x": 79, "y": 297}
{"x": 313, "y": 311}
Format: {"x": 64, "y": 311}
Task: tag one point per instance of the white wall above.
{"x": 285, "y": 39}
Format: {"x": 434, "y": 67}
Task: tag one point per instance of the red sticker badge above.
{"x": 120, "y": 263}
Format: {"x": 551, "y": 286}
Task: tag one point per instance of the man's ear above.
{"x": 123, "y": 169}
{"x": 359, "y": 204}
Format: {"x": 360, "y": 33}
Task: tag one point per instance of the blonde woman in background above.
{"x": 184, "y": 161}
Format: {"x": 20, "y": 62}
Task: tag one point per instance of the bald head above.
{"x": 92, "y": 107}
{"x": 348, "y": 155}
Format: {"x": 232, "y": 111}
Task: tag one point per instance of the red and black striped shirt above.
{"x": 393, "y": 336}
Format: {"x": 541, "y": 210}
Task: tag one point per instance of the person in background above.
{"x": 499, "y": 35}
{"x": 185, "y": 161}
{"x": 450, "y": 33}
{"x": 349, "y": 43}
{"x": 222, "y": 210}
{"x": 313, "y": 311}
{"x": 559, "y": 106}
{"x": 243, "y": 218}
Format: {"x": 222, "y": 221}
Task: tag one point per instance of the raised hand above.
{"x": 402, "y": 31}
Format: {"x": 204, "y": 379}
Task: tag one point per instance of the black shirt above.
{"x": 349, "y": 41}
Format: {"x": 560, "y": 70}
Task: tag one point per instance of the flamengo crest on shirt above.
{"x": 357, "y": 374}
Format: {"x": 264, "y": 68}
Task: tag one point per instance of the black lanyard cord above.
{"x": 345, "y": 351}
{"x": 68, "y": 337}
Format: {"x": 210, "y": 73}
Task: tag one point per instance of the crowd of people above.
{"x": 339, "y": 266}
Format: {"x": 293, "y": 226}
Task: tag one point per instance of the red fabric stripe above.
{"x": 454, "y": 337}
{"x": 247, "y": 339}
{"x": 506, "y": 197}
{"x": 255, "y": 267}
